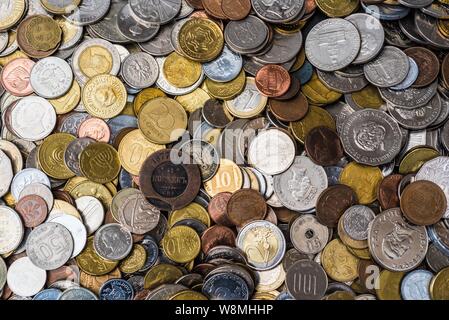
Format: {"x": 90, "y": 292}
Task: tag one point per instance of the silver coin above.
{"x": 88, "y": 12}
{"x": 340, "y": 111}
{"x": 13, "y": 153}
{"x": 247, "y": 35}
{"x": 10, "y": 49}
{"x": 186, "y": 10}
{"x": 356, "y": 220}
{"x": 11, "y": 230}
{"x": 64, "y": 285}
{"x": 410, "y": 98}
{"x": 157, "y": 11}
{"x": 444, "y": 114}
{"x": 3, "y": 272}
{"x": 394, "y": 243}
{"x": 225, "y": 68}
{"x": 6, "y": 173}
{"x": 436, "y": 171}
{"x": 32, "y": 118}
{"x": 332, "y": 44}
{"x": 417, "y": 118}
{"x": 427, "y": 28}
{"x": 26, "y": 177}
{"x": 389, "y": 69}
{"x": 371, "y": 137}
{"x": 269, "y": 278}
{"x": 437, "y": 10}
{"x": 386, "y": 12}
{"x": 285, "y": 47}
{"x": 175, "y": 33}
{"x": 3, "y": 40}
{"x": 413, "y": 74}
{"x": 342, "y": 84}
{"x": 436, "y": 259}
{"x": 415, "y": 285}
{"x": 140, "y": 70}
{"x": 132, "y": 29}
{"x": 92, "y": 212}
{"x": 24, "y": 278}
{"x": 272, "y": 152}
{"x": 76, "y": 229}
{"x": 35, "y": 7}
{"x": 72, "y": 122}
{"x": 372, "y": 36}
{"x": 416, "y": 3}
{"x": 257, "y": 230}
{"x": 22, "y": 246}
{"x": 161, "y": 44}
{"x": 278, "y": 11}
{"x": 49, "y": 246}
{"x": 107, "y": 27}
{"x": 89, "y": 47}
{"x": 113, "y": 242}
{"x": 307, "y": 235}
{"x": 40, "y": 190}
{"x": 78, "y": 294}
{"x": 137, "y": 215}
{"x": 408, "y": 27}
{"x": 51, "y": 77}
{"x": 72, "y": 154}
{"x": 299, "y": 187}
{"x": 366, "y": 296}
{"x": 203, "y": 154}
{"x": 306, "y": 280}
{"x": 122, "y": 51}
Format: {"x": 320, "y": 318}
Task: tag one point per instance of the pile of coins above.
{"x": 224, "y": 149}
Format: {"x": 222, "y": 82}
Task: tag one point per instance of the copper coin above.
{"x": 244, "y": 206}
{"x": 236, "y": 9}
{"x": 15, "y": 77}
{"x": 333, "y": 202}
{"x": 96, "y": 129}
{"x": 273, "y": 81}
{"x": 168, "y": 185}
{"x": 285, "y": 215}
{"x": 109, "y": 218}
{"x": 423, "y": 203}
{"x": 387, "y": 194}
{"x": 62, "y": 273}
{"x": 217, "y": 236}
{"x": 213, "y": 8}
{"x": 290, "y": 110}
{"x": 196, "y": 4}
{"x": 64, "y": 196}
{"x": 323, "y": 146}
{"x": 428, "y": 64}
{"x": 293, "y": 91}
{"x": 310, "y": 5}
{"x": 203, "y": 268}
{"x": 216, "y": 114}
{"x": 32, "y": 209}
{"x": 445, "y": 70}
{"x": 217, "y": 208}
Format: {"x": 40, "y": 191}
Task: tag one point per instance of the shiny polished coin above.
{"x": 51, "y": 155}
{"x": 131, "y": 29}
{"x": 415, "y": 285}
{"x": 248, "y": 103}
{"x": 113, "y": 242}
{"x": 87, "y": 12}
{"x": 24, "y": 278}
{"x": 356, "y": 220}
{"x": 224, "y": 68}
{"x": 27, "y": 177}
{"x": 99, "y": 162}
{"x": 180, "y": 71}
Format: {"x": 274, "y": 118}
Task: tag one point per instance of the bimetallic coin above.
{"x": 24, "y": 278}
{"x": 415, "y": 285}
{"x": 140, "y": 70}
{"x": 11, "y": 230}
{"x": 51, "y": 77}
{"x": 116, "y": 289}
{"x": 49, "y": 246}
{"x": 306, "y": 280}
{"x": 113, "y": 242}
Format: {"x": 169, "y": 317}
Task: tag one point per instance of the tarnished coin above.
{"x": 24, "y": 278}
{"x": 32, "y": 209}
{"x": 244, "y": 206}
{"x": 78, "y": 293}
{"x": 76, "y": 229}
{"x": 203, "y": 154}
{"x": 307, "y": 235}
{"x": 323, "y": 146}
{"x": 306, "y": 280}
{"x": 276, "y": 12}
{"x": 11, "y": 230}
{"x": 333, "y": 202}
{"x": 116, "y": 289}
{"x": 113, "y": 242}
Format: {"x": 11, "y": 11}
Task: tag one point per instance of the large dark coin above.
{"x": 306, "y": 280}
{"x": 324, "y": 146}
{"x": 387, "y": 194}
{"x": 168, "y": 185}
{"x": 244, "y": 206}
{"x": 226, "y": 286}
{"x": 428, "y": 64}
{"x": 333, "y": 202}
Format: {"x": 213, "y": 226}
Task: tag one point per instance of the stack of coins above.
{"x": 224, "y": 150}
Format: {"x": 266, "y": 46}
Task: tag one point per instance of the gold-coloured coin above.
{"x": 13, "y": 56}
{"x": 340, "y": 295}
{"x": 69, "y": 101}
{"x": 9, "y": 199}
{"x": 161, "y": 274}
{"x": 228, "y": 178}
{"x": 389, "y": 285}
{"x": 194, "y": 100}
{"x": 42, "y": 33}
{"x": 63, "y": 207}
{"x": 70, "y": 32}
{"x": 189, "y": 295}
{"x": 146, "y": 95}
{"x": 192, "y": 211}
{"x": 364, "y": 180}
{"x": 226, "y": 90}
{"x": 134, "y": 149}
{"x": 60, "y": 7}
{"x": 337, "y": 8}
{"x": 201, "y": 39}
{"x": 300, "y": 59}
{"x": 254, "y": 183}
{"x": 111, "y": 187}
{"x": 443, "y": 27}
{"x": 104, "y": 96}
{"x": 363, "y": 254}
{"x": 162, "y": 120}
{"x": 91, "y": 263}
{"x": 129, "y": 109}
{"x": 180, "y": 71}
{"x": 416, "y": 158}
{"x": 73, "y": 182}
{"x": 51, "y": 155}
{"x": 89, "y": 188}
{"x": 439, "y": 286}
{"x": 249, "y": 103}
{"x": 181, "y": 244}
{"x": 94, "y": 283}
{"x": 135, "y": 260}
{"x": 95, "y": 60}
{"x": 268, "y": 296}
{"x": 368, "y": 97}
{"x": 11, "y": 13}
{"x": 338, "y": 262}
{"x": 99, "y": 162}
{"x": 315, "y": 117}
{"x": 317, "y": 93}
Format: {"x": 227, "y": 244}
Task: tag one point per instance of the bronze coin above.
{"x": 285, "y": 215}
{"x": 167, "y": 185}
{"x": 428, "y": 64}
{"x": 333, "y": 202}
{"x": 216, "y": 114}
{"x": 387, "y": 194}
{"x": 445, "y": 70}
{"x": 293, "y": 91}
{"x": 213, "y": 8}
{"x": 203, "y": 268}
{"x": 323, "y": 146}
{"x": 290, "y": 110}
{"x": 217, "y": 208}
{"x": 24, "y": 44}
{"x": 196, "y": 4}
{"x": 244, "y": 206}
{"x": 423, "y": 203}
{"x": 63, "y": 273}
{"x": 217, "y": 236}
{"x": 33, "y": 210}
{"x": 273, "y": 81}
{"x": 109, "y": 218}
{"x": 236, "y": 9}
{"x": 64, "y": 196}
